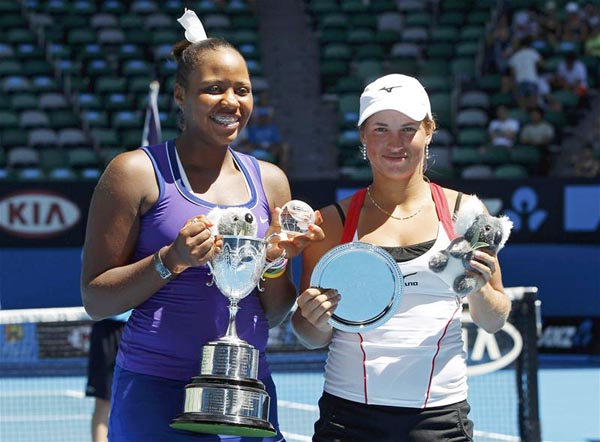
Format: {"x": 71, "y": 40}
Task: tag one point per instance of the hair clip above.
{"x": 194, "y": 31}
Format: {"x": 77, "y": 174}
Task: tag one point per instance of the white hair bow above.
{"x": 194, "y": 31}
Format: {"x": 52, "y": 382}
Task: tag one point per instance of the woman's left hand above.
{"x": 293, "y": 244}
{"x": 484, "y": 263}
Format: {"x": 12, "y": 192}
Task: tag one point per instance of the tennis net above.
{"x": 43, "y": 357}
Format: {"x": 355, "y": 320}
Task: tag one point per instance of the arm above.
{"x": 489, "y": 306}
{"x": 280, "y": 293}
{"x": 110, "y": 282}
{"x": 315, "y": 306}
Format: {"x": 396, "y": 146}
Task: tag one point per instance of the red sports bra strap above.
{"x": 441, "y": 207}
{"x": 352, "y": 216}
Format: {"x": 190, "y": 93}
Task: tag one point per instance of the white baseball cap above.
{"x": 395, "y": 92}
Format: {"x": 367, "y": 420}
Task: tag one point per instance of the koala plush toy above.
{"x": 476, "y": 230}
{"x": 237, "y": 221}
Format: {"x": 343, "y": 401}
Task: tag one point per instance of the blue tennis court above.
{"x": 55, "y": 409}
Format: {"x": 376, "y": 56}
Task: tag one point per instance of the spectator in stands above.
{"x": 148, "y": 243}
{"x": 537, "y": 131}
{"x": 592, "y": 44}
{"x": 574, "y": 30}
{"x": 104, "y": 343}
{"x": 585, "y": 164}
{"x": 524, "y": 25}
{"x": 524, "y": 64}
{"x": 591, "y": 14}
{"x": 549, "y": 25}
{"x": 264, "y": 133}
{"x": 571, "y": 75}
{"x": 503, "y": 130}
{"x": 541, "y": 134}
{"x": 592, "y": 138}
{"x": 396, "y": 382}
{"x": 499, "y": 43}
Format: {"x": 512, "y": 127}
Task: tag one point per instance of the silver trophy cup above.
{"x": 227, "y": 398}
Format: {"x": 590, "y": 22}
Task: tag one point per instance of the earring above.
{"x": 363, "y": 150}
{"x": 427, "y": 151}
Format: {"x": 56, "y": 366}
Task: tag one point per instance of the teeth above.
{"x": 221, "y": 119}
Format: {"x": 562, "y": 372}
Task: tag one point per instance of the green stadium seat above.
{"x": 511, "y": 171}
{"x": 369, "y": 52}
{"x": 528, "y": 156}
{"x": 464, "y": 156}
{"x": 418, "y": 18}
{"x": 368, "y": 21}
{"x": 468, "y": 48}
{"x": 349, "y": 84}
{"x": 52, "y": 158}
{"x": 13, "y": 138}
{"x": 105, "y": 138}
{"x": 10, "y": 67}
{"x": 477, "y": 171}
{"x": 336, "y": 20}
{"x": 439, "y": 50}
{"x": 64, "y": 118}
{"x": 107, "y": 85}
{"x": 337, "y": 51}
{"x": 317, "y": 7}
{"x": 354, "y": 6}
{"x": 9, "y": 119}
{"x": 80, "y": 158}
{"x": 336, "y": 35}
{"x": 444, "y": 34}
{"x": 474, "y": 137}
{"x": 359, "y": 36}
{"x": 23, "y": 101}
{"x": 380, "y": 6}
{"x": 493, "y": 155}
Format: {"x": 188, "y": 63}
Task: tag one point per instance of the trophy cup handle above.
{"x": 271, "y": 264}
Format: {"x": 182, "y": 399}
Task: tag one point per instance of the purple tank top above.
{"x": 164, "y": 335}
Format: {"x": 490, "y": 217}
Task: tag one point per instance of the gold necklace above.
{"x": 399, "y": 218}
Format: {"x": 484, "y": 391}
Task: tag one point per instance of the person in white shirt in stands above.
{"x": 571, "y": 75}
{"x": 503, "y": 130}
{"x": 524, "y": 64}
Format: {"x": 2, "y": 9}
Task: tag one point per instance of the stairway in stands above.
{"x": 290, "y": 54}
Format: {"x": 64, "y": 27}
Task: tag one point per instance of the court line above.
{"x": 292, "y": 437}
{"x": 297, "y": 405}
{"x": 44, "y": 418}
{"x": 497, "y": 436}
{"x": 68, "y": 393}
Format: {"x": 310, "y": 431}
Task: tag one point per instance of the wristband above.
{"x": 277, "y": 269}
{"x": 274, "y": 275}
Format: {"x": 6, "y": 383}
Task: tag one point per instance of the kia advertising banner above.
{"x": 43, "y": 214}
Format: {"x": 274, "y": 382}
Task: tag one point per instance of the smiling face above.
{"x": 395, "y": 143}
{"x": 216, "y": 100}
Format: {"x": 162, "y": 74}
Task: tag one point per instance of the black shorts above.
{"x": 344, "y": 421}
{"x": 104, "y": 342}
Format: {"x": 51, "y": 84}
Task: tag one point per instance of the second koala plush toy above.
{"x": 476, "y": 230}
{"x": 237, "y": 221}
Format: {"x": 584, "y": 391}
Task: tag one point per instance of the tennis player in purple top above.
{"x": 148, "y": 242}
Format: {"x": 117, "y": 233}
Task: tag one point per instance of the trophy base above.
{"x": 201, "y": 423}
{"x": 220, "y": 405}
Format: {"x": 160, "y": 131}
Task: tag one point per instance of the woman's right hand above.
{"x": 194, "y": 246}
{"x": 317, "y": 305}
